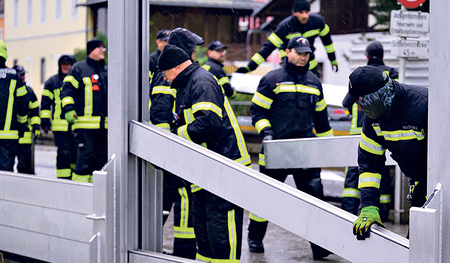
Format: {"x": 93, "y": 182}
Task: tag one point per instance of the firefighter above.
{"x": 216, "y": 57}
{"x": 288, "y": 104}
{"x": 204, "y": 116}
{"x": 396, "y": 119}
{"x": 13, "y": 111}
{"x": 301, "y": 23}
{"x": 350, "y": 194}
{"x": 84, "y": 101}
{"x": 52, "y": 118}
{"x": 161, "y": 41}
{"x": 176, "y": 190}
{"x": 25, "y": 153}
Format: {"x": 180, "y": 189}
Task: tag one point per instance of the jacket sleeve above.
{"x": 260, "y": 108}
{"x": 70, "y": 88}
{"x": 325, "y": 36}
{"x": 371, "y": 161}
{"x": 223, "y": 79}
{"x": 320, "y": 116}
{"x": 21, "y": 104}
{"x": 47, "y": 102}
{"x": 33, "y": 106}
{"x": 162, "y": 99}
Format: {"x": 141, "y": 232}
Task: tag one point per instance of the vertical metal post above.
{"x": 402, "y": 61}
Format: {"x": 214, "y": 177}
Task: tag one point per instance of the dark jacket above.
{"x": 33, "y": 110}
{"x": 162, "y": 98}
{"x": 87, "y": 95}
{"x": 289, "y": 104}
{"x": 153, "y": 63}
{"x": 51, "y": 106}
{"x": 290, "y": 27}
{"x": 216, "y": 68}
{"x": 205, "y": 116}
{"x": 403, "y": 132}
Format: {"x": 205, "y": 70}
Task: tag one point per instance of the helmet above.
{"x": 185, "y": 39}
{"x": 20, "y": 70}
{"x": 3, "y": 50}
{"x": 66, "y": 59}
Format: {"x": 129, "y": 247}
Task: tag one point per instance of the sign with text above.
{"x": 409, "y": 48}
{"x": 409, "y": 23}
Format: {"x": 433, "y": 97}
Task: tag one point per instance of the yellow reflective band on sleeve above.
{"x": 67, "y": 100}
{"x": 183, "y": 232}
{"x": 13, "y": 135}
{"x": 232, "y": 235}
{"x": 224, "y": 80}
{"x": 282, "y": 53}
{"x": 369, "y": 180}
{"x": 21, "y": 91}
{"x": 10, "y": 107}
{"x": 182, "y": 132}
{"x": 330, "y": 48}
{"x": 256, "y": 217}
{"x": 209, "y": 106}
{"x": 325, "y": 31}
{"x": 207, "y": 67}
{"x": 35, "y": 120}
{"x": 312, "y": 64}
{"x": 164, "y": 90}
{"x": 370, "y": 145}
{"x": 400, "y": 135}
{"x": 328, "y": 133}
{"x": 106, "y": 122}
{"x": 385, "y": 199}
{"x": 311, "y": 33}
{"x": 26, "y": 139}
{"x": 195, "y": 188}
{"x": 351, "y": 192}
{"x": 290, "y": 36}
{"x": 45, "y": 114}
{"x": 245, "y": 160}
{"x": 258, "y": 59}
{"x": 275, "y": 40}
{"x": 262, "y": 159}
{"x": 201, "y": 258}
{"x": 22, "y": 119}
{"x": 83, "y": 178}
{"x": 284, "y": 88}
{"x": 63, "y": 173}
{"x": 87, "y": 122}
{"x": 321, "y": 105}
{"x": 33, "y": 105}
{"x": 164, "y": 126}
{"x": 47, "y": 93}
{"x": 261, "y": 124}
{"x": 188, "y": 116}
{"x": 72, "y": 80}
{"x": 262, "y": 101}
{"x": 60, "y": 125}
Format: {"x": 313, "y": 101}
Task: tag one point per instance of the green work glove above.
{"x": 71, "y": 116}
{"x": 243, "y": 70}
{"x": 369, "y": 215}
{"x": 334, "y": 65}
{"x": 37, "y": 134}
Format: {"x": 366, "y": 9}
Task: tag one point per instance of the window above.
{"x": 73, "y": 9}
{"x": 29, "y": 12}
{"x": 57, "y": 10}
{"x": 42, "y": 70}
{"x": 43, "y": 11}
{"x": 1, "y": 33}
{"x": 29, "y": 67}
{"x": 16, "y": 13}
{"x": 15, "y": 61}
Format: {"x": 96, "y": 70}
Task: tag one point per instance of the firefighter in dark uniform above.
{"x": 13, "y": 111}
{"x": 350, "y": 194}
{"x": 176, "y": 191}
{"x": 161, "y": 41}
{"x": 216, "y": 56}
{"x": 204, "y": 116}
{"x": 52, "y": 118}
{"x": 84, "y": 100}
{"x": 396, "y": 119}
{"x": 25, "y": 153}
{"x": 301, "y": 23}
{"x": 288, "y": 104}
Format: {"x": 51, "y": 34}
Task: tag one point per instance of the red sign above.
{"x": 411, "y": 3}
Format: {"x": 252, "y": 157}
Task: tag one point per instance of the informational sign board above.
{"x": 409, "y": 23}
{"x": 409, "y": 48}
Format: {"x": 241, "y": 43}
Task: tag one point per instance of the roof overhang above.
{"x": 95, "y": 2}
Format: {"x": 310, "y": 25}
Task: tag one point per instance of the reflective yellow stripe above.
{"x": 188, "y": 116}
{"x": 209, "y": 106}
{"x": 9, "y": 111}
{"x": 330, "y": 48}
{"x": 45, "y": 114}
{"x": 232, "y": 234}
{"x": 33, "y": 105}
{"x": 164, "y": 126}
{"x": 26, "y": 139}
{"x": 185, "y": 233}
{"x": 262, "y": 159}
{"x": 328, "y": 133}
{"x": 290, "y": 36}
{"x": 312, "y": 64}
{"x": 9, "y": 135}
{"x": 256, "y": 217}
{"x": 60, "y": 125}
{"x": 35, "y": 120}
{"x": 262, "y": 101}
{"x": 201, "y": 258}
{"x": 88, "y": 96}
{"x": 354, "y": 129}
{"x": 207, "y": 67}
{"x": 67, "y": 101}
{"x": 184, "y": 207}
{"x": 22, "y": 119}
{"x": 47, "y": 93}
{"x": 195, "y": 188}
{"x": 321, "y": 105}
{"x": 63, "y": 173}
{"x": 58, "y": 106}
{"x": 311, "y": 33}
{"x": 164, "y": 90}
{"x": 258, "y": 59}
{"x": 369, "y": 180}
{"x": 245, "y": 157}
{"x": 21, "y": 91}
{"x": 224, "y": 80}
{"x": 83, "y": 122}
{"x": 385, "y": 199}
{"x": 400, "y": 135}
{"x": 261, "y": 124}
{"x": 370, "y": 145}
{"x": 81, "y": 178}
{"x": 282, "y": 53}
{"x": 182, "y": 132}
{"x": 275, "y": 40}
{"x": 351, "y": 192}
{"x": 325, "y": 31}
{"x": 72, "y": 80}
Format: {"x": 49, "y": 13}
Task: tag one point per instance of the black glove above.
{"x": 45, "y": 125}
{"x": 243, "y": 70}
{"x": 267, "y": 138}
{"x": 283, "y": 60}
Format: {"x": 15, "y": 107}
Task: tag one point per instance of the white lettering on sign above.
{"x": 409, "y": 48}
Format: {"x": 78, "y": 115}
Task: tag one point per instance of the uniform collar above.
{"x": 182, "y": 79}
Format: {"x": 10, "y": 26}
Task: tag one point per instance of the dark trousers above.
{"x": 25, "y": 158}
{"x": 8, "y": 150}
{"x": 218, "y": 227}
{"x": 66, "y": 154}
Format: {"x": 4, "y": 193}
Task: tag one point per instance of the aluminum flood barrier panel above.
{"x": 289, "y": 208}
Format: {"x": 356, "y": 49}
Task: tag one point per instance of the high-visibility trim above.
{"x": 256, "y": 217}
{"x": 164, "y": 126}
{"x": 224, "y": 80}
{"x": 282, "y": 53}
{"x": 207, "y": 106}
{"x": 58, "y": 107}
{"x": 290, "y": 36}
{"x": 164, "y": 90}
{"x": 261, "y": 124}
{"x": 258, "y": 59}
{"x": 33, "y": 105}
{"x": 184, "y": 207}
{"x": 275, "y": 40}
{"x": 328, "y": 133}
{"x": 60, "y": 125}
{"x": 232, "y": 234}
{"x": 6, "y": 135}
{"x": 22, "y": 119}
{"x": 321, "y": 105}
{"x": 370, "y": 145}
{"x": 88, "y": 96}
{"x": 22, "y": 91}
{"x": 354, "y": 129}
{"x": 201, "y": 258}
{"x": 45, "y": 114}
{"x": 244, "y": 160}
{"x": 262, "y": 159}
{"x": 207, "y": 67}
{"x": 218, "y": 260}
{"x": 183, "y": 232}
{"x": 188, "y": 116}
{"x": 262, "y": 101}
{"x": 385, "y": 199}
{"x": 9, "y": 111}
{"x": 85, "y": 178}
{"x": 195, "y": 188}
{"x": 35, "y": 120}
{"x": 72, "y": 81}
{"x": 330, "y": 48}
{"x": 26, "y": 139}
{"x": 87, "y": 122}
{"x": 47, "y": 93}
{"x": 324, "y": 31}
{"x": 106, "y": 122}
{"x": 400, "y": 135}
{"x": 369, "y": 180}
{"x": 238, "y": 133}
{"x": 311, "y": 33}
{"x": 313, "y": 63}
{"x": 67, "y": 100}
{"x": 182, "y": 132}
{"x": 63, "y": 173}
{"x": 351, "y": 192}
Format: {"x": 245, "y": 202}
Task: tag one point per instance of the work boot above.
{"x": 255, "y": 246}
{"x": 318, "y": 252}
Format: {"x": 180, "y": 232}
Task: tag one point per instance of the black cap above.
{"x": 300, "y": 44}
{"x": 185, "y": 39}
{"x": 67, "y": 59}
{"x": 301, "y": 5}
{"x": 216, "y": 45}
{"x": 20, "y": 70}
{"x": 93, "y": 44}
{"x": 362, "y": 81}
{"x": 163, "y": 34}
{"x": 374, "y": 50}
{"x": 171, "y": 56}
